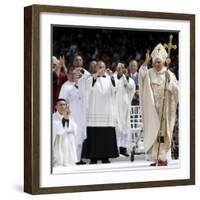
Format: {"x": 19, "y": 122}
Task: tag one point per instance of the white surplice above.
{"x": 77, "y": 99}
{"x": 72, "y": 95}
{"x": 101, "y": 97}
{"x": 63, "y": 143}
{"x": 151, "y": 88}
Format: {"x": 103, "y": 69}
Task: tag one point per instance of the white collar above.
{"x": 162, "y": 71}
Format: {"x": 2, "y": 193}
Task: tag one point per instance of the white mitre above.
{"x": 159, "y": 52}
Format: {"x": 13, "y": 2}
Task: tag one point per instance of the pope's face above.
{"x": 158, "y": 64}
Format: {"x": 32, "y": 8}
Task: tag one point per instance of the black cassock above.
{"x": 100, "y": 143}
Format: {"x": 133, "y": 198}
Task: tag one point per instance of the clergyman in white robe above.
{"x": 101, "y": 141}
{"x": 125, "y": 90}
{"x": 73, "y": 94}
{"x": 64, "y": 146}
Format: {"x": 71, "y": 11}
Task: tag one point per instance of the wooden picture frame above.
{"x": 32, "y": 106}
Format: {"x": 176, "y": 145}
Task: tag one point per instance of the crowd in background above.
{"x": 111, "y": 46}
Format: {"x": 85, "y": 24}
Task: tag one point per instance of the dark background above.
{"x": 110, "y": 45}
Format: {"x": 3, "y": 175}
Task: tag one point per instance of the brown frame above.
{"x": 32, "y": 105}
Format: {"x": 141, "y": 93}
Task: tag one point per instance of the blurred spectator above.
{"x": 110, "y": 45}
{"x": 59, "y": 77}
{"x": 133, "y": 73}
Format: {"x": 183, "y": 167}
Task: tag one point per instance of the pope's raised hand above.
{"x": 147, "y": 57}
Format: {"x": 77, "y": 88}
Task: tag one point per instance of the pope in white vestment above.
{"x": 63, "y": 140}
{"x": 125, "y": 90}
{"x": 151, "y": 88}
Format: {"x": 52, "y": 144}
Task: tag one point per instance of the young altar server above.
{"x": 64, "y": 132}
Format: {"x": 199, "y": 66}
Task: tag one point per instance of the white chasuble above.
{"x": 151, "y": 88}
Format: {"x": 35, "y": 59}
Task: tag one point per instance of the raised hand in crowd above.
{"x": 62, "y": 64}
{"x": 125, "y": 71}
{"x": 109, "y": 72}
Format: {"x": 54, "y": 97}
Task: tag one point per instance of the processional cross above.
{"x": 169, "y": 46}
